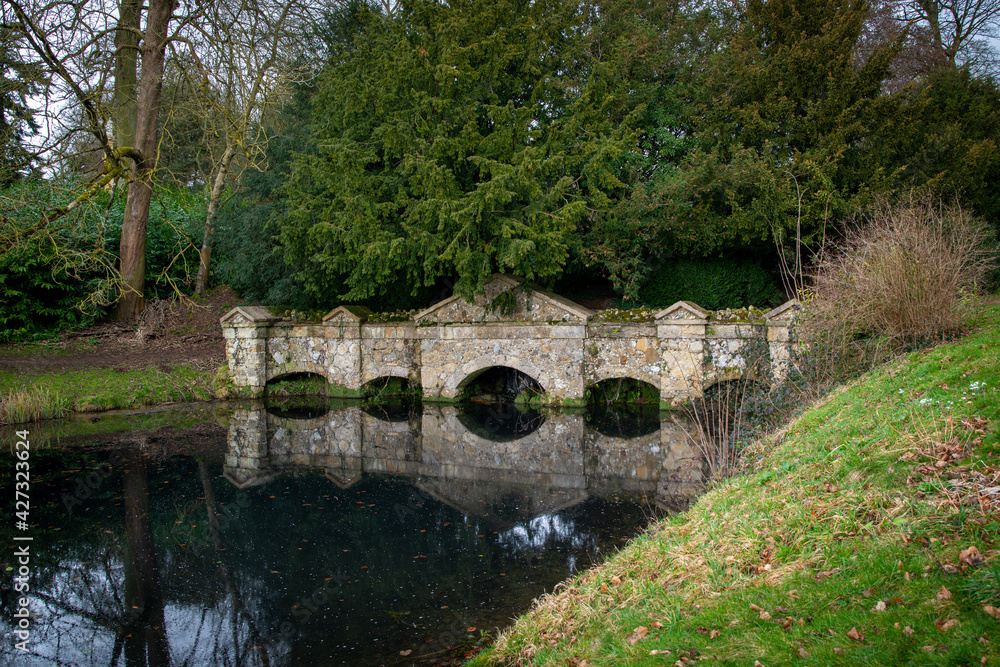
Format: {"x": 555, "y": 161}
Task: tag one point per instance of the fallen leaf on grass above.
{"x": 754, "y": 607}
{"x": 616, "y": 580}
{"x": 803, "y": 653}
{"x": 971, "y": 556}
{"x": 943, "y": 595}
{"x": 856, "y": 635}
{"x": 713, "y": 634}
{"x": 879, "y": 607}
{"x": 992, "y": 611}
{"x": 657, "y": 624}
{"x": 820, "y": 576}
{"x": 945, "y": 625}
{"x": 637, "y": 634}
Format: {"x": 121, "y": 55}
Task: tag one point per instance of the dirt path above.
{"x": 171, "y": 334}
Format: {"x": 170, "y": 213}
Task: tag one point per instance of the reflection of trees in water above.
{"x": 102, "y": 601}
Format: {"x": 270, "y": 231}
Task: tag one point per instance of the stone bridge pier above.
{"x": 563, "y": 346}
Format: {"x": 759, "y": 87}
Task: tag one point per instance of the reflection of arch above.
{"x": 474, "y": 368}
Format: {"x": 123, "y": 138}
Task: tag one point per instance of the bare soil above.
{"x": 171, "y": 332}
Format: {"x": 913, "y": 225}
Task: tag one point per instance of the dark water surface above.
{"x": 290, "y": 536}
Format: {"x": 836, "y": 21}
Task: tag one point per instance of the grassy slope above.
{"x": 849, "y": 507}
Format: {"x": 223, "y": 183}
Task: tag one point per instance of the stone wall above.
{"x": 681, "y": 352}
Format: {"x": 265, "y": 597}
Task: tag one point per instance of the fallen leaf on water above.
{"x": 856, "y": 635}
{"x": 637, "y": 634}
{"x": 971, "y": 556}
{"x": 943, "y": 594}
{"x": 992, "y": 611}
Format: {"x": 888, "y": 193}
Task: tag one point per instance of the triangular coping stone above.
{"x": 684, "y": 307}
{"x": 348, "y": 314}
{"x": 250, "y": 314}
{"x": 571, "y": 307}
{"x": 344, "y": 481}
{"x": 779, "y": 313}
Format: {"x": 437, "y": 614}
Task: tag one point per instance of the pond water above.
{"x": 291, "y": 535}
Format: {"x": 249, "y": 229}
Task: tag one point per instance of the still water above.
{"x": 345, "y": 536}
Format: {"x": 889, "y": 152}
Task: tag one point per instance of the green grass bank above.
{"x": 865, "y": 532}
{"x": 56, "y": 394}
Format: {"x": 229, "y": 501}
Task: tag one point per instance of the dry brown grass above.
{"x": 904, "y": 272}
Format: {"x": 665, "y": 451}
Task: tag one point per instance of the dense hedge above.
{"x": 711, "y": 283}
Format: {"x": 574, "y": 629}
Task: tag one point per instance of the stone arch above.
{"x": 621, "y": 372}
{"x": 296, "y": 367}
{"x": 470, "y": 370}
{"x": 387, "y": 370}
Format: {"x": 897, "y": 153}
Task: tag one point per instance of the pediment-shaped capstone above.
{"x": 249, "y": 315}
{"x": 350, "y": 314}
{"x": 533, "y": 304}
{"x": 683, "y": 310}
{"x": 343, "y": 480}
{"x": 785, "y": 312}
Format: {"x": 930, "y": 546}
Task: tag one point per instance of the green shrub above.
{"x": 58, "y": 277}
{"x": 711, "y": 283}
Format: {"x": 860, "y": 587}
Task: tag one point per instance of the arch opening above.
{"x": 297, "y": 396}
{"x": 500, "y": 384}
{"x": 391, "y": 398}
{"x": 623, "y": 391}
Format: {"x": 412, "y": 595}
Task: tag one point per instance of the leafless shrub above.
{"x": 903, "y": 275}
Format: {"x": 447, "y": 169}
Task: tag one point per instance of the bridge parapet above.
{"x": 680, "y": 350}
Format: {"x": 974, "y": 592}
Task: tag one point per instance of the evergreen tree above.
{"x": 18, "y": 81}
{"x": 454, "y": 140}
{"x": 789, "y": 127}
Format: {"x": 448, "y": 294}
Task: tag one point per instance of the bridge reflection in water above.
{"x": 544, "y": 463}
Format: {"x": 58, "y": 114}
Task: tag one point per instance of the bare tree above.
{"x": 958, "y": 31}
{"x": 247, "y": 59}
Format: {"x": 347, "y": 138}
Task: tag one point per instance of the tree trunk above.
{"x": 126, "y": 63}
{"x": 140, "y": 191}
{"x": 149, "y": 620}
{"x": 201, "y": 284}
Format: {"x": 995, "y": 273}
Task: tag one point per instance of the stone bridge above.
{"x": 562, "y": 345}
